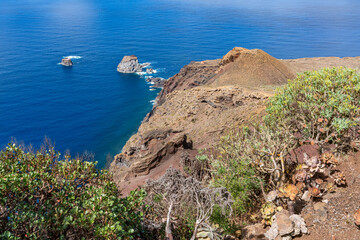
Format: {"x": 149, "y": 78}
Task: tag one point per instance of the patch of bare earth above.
{"x": 335, "y": 220}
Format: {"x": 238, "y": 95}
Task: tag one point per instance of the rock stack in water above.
{"x": 156, "y": 82}
{"x": 130, "y": 64}
{"x": 66, "y": 62}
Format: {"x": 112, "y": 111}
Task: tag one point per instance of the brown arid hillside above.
{"x": 207, "y": 99}
{"x": 186, "y": 121}
{"x": 250, "y": 68}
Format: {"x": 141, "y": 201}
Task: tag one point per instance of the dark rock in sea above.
{"x": 156, "y": 82}
{"x": 66, "y": 62}
{"x": 130, "y": 64}
{"x": 150, "y": 71}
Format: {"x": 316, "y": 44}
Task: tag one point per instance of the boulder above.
{"x": 130, "y": 64}
{"x": 321, "y": 212}
{"x": 299, "y": 225}
{"x": 66, "y": 62}
{"x": 286, "y": 226}
{"x": 357, "y": 217}
{"x": 150, "y": 71}
{"x": 254, "y": 232}
{"x": 156, "y": 82}
{"x": 297, "y": 155}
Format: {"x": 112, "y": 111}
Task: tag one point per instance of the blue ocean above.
{"x": 90, "y": 106}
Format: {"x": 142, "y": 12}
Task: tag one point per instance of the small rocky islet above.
{"x": 66, "y": 62}
{"x": 130, "y": 64}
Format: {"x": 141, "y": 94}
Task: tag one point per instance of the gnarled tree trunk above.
{"x": 168, "y": 232}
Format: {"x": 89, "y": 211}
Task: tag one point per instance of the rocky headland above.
{"x": 202, "y": 103}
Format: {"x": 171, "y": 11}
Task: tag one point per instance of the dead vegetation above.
{"x": 174, "y": 195}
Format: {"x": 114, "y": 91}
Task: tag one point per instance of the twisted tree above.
{"x": 173, "y": 193}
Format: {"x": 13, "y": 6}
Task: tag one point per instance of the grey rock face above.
{"x": 286, "y": 226}
{"x": 66, "y": 62}
{"x": 299, "y": 225}
{"x": 130, "y": 64}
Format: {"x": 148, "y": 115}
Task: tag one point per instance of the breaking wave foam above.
{"x": 141, "y": 73}
{"x": 73, "y": 57}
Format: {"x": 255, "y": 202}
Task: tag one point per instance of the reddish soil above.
{"x": 341, "y": 206}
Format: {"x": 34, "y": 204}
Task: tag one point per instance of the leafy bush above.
{"x": 43, "y": 197}
{"x": 248, "y": 157}
{"x": 234, "y": 171}
{"x": 319, "y": 106}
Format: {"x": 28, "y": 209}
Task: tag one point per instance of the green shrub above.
{"x": 235, "y": 172}
{"x": 248, "y": 157}
{"x": 320, "y": 106}
{"x": 43, "y": 197}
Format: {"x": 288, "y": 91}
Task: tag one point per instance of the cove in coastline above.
{"x": 90, "y": 106}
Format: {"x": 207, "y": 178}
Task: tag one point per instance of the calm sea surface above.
{"x": 91, "y": 106}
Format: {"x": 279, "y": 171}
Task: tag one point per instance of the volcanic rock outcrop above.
{"x": 130, "y": 64}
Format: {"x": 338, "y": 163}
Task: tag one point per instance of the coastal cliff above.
{"x": 201, "y": 103}
{"x": 208, "y": 100}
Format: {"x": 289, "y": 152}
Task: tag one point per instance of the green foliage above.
{"x": 185, "y": 224}
{"x": 248, "y": 158}
{"x": 223, "y": 221}
{"x": 320, "y": 106}
{"x": 43, "y": 197}
{"x": 235, "y": 172}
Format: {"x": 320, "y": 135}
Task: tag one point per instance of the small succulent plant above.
{"x": 208, "y": 233}
{"x": 268, "y": 211}
{"x": 339, "y": 178}
{"x": 289, "y": 191}
{"x": 328, "y": 158}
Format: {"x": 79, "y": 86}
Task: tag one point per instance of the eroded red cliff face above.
{"x": 187, "y": 121}
{"x": 192, "y": 75}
